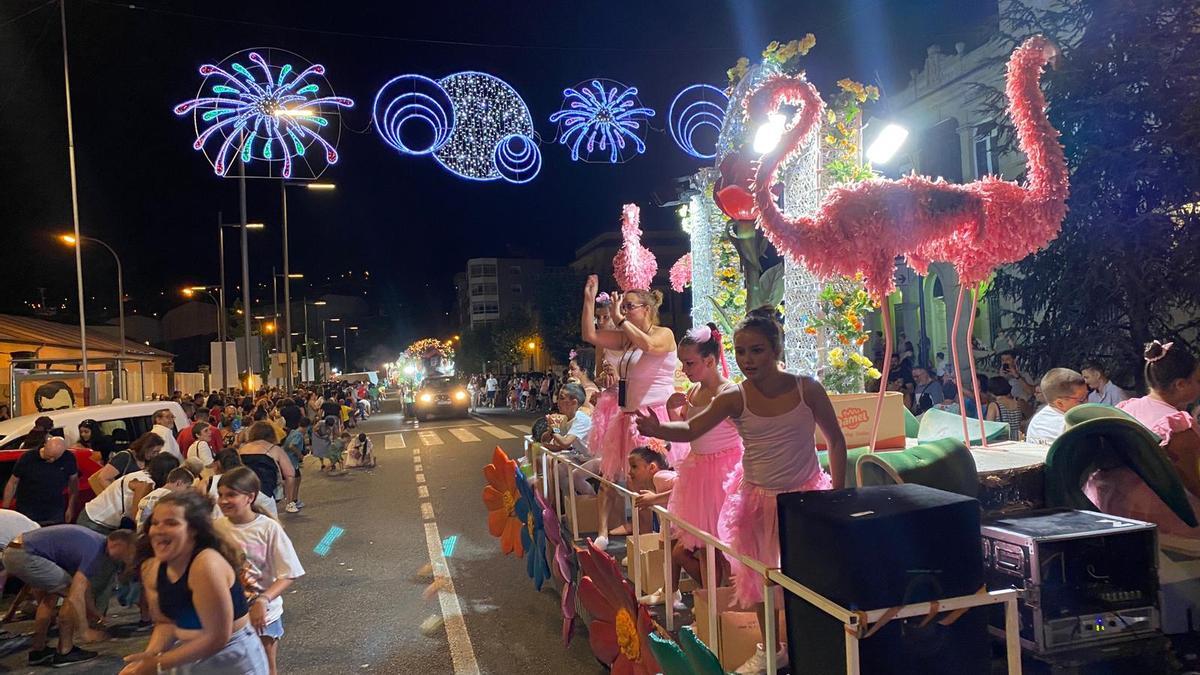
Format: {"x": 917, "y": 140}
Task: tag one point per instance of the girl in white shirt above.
{"x": 201, "y": 449}
{"x": 271, "y": 561}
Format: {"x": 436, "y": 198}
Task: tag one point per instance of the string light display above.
{"x": 694, "y": 108}
{"x": 413, "y": 100}
{"x": 250, "y": 108}
{"x": 517, "y": 158}
{"x": 486, "y": 111}
{"x": 602, "y": 116}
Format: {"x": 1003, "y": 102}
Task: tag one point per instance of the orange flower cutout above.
{"x": 500, "y": 497}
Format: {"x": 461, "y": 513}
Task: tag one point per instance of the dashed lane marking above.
{"x": 427, "y": 511}
{"x": 429, "y": 438}
{"x": 393, "y": 442}
{"x": 420, "y": 478}
{"x": 497, "y": 432}
{"x": 462, "y": 652}
{"x": 464, "y": 436}
{"x": 422, "y": 491}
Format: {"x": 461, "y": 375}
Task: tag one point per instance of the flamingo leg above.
{"x": 883, "y": 377}
{"x": 974, "y": 377}
{"x": 962, "y": 411}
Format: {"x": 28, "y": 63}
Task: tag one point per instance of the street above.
{"x": 360, "y": 607}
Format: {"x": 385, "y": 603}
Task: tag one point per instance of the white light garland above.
{"x": 486, "y": 111}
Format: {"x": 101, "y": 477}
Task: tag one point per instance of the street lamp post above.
{"x": 71, "y": 240}
{"x": 220, "y": 303}
{"x": 346, "y": 349}
{"x": 75, "y": 211}
{"x": 221, "y": 225}
{"x": 287, "y": 295}
{"x": 287, "y": 309}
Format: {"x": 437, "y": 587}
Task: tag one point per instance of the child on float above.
{"x": 776, "y": 414}
{"x": 641, "y": 353}
{"x": 271, "y": 562}
{"x": 699, "y": 495}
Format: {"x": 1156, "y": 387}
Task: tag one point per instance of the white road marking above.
{"x": 426, "y": 511}
{"x": 464, "y": 435}
{"x": 497, "y": 432}
{"x": 422, "y": 491}
{"x": 393, "y": 442}
{"x": 429, "y": 438}
{"x": 418, "y": 467}
{"x": 420, "y": 478}
{"x": 524, "y": 431}
{"x": 462, "y": 652}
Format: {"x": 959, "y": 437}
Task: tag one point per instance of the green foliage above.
{"x": 556, "y": 311}
{"x": 1122, "y": 272}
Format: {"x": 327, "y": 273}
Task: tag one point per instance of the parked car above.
{"x": 441, "y": 396}
{"x": 124, "y": 422}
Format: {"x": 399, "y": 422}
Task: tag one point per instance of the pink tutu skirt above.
{"x": 614, "y": 435}
{"x": 750, "y": 524}
{"x": 699, "y": 492}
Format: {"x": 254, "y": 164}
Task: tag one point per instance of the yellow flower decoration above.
{"x": 838, "y": 302}
{"x": 807, "y": 43}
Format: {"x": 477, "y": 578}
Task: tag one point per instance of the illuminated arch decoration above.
{"x": 413, "y": 100}
{"x": 694, "y": 108}
{"x": 486, "y": 111}
{"x": 517, "y": 158}
{"x": 600, "y": 116}
{"x": 249, "y": 108}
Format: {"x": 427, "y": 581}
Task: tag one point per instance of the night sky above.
{"x": 406, "y": 220}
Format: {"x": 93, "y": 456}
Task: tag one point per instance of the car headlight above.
{"x": 426, "y": 398}
{"x": 460, "y": 395}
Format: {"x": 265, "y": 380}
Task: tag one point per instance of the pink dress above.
{"x": 699, "y": 494}
{"x": 780, "y": 456}
{"x": 650, "y": 381}
{"x": 1121, "y": 492}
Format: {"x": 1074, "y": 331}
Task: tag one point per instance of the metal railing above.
{"x": 856, "y": 623}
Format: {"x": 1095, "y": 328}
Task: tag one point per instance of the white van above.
{"x": 124, "y": 422}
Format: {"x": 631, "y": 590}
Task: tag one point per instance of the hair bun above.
{"x": 763, "y": 312}
{"x": 1154, "y": 350}
{"x": 657, "y": 297}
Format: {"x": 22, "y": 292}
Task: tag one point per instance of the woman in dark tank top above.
{"x": 185, "y": 562}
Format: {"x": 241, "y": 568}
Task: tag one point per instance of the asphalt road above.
{"x": 361, "y": 606}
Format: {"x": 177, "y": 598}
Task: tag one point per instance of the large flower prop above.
{"x": 500, "y": 496}
{"x": 634, "y": 266}
{"x": 689, "y": 656}
{"x": 620, "y": 628}
{"x": 563, "y": 566}
{"x": 681, "y": 273}
{"x": 533, "y": 535}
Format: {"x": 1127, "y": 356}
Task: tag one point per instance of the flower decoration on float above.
{"x": 563, "y": 566}
{"x": 250, "y": 109}
{"x": 601, "y": 117}
{"x": 681, "y": 273}
{"x": 501, "y": 496}
{"x": 634, "y": 266}
{"x": 533, "y": 535}
{"x": 430, "y": 347}
{"x": 620, "y": 627}
{"x": 697, "y": 108}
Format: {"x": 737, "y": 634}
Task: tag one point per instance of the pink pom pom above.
{"x": 681, "y": 273}
{"x": 634, "y": 266}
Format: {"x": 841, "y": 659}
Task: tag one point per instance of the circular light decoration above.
{"x": 602, "y": 116}
{"x": 486, "y": 111}
{"x": 410, "y": 101}
{"x": 695, "y": 107}
{"x": 248, "y": 107}
{"x": 517, "y": 158}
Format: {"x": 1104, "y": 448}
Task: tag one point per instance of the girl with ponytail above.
{"x": 699, "y": 493}
{"x": 271, "y": 562}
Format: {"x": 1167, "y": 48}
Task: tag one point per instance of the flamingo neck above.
{"x": 1036, "y": 137}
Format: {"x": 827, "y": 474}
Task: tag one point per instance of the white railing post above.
{"x": 1012, "y": 636}
{"x": 769, "y": 625}
{"x": 636, "y": 556}
{"x": 668, "y": 577}
{"x": 574, "y": 509}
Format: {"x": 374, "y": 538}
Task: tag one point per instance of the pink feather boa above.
{"x": 681, "y": 273}
{"x": 634, "y": 266}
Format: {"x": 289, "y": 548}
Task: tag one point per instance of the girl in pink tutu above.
{"x": 642, "y": 355}
{"x": 776, "y": 414}
{"x": 699, "y": 493}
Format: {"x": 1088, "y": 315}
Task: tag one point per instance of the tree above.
{"x": 1126, "y": 101}
{"x": 509, "y": 336}
{"x": 558, "y": 295}
{"x": 476, "y": 349}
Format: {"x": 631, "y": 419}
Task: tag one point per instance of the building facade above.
{"x": 494, "y": 287}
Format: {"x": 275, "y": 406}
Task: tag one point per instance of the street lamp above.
{"x": 221, "y": 225}
{"x": 287, "y": 276}
{"x": 191, "y": 291}
{"x": 71, "y": 240}
{"x": 318, "y": 303}
{"x": 531, "y": 346}
{"x": 884, "y": 147}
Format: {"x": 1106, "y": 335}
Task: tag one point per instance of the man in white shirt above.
{"x": 492, "y": 386}
{"x": 1064, "y": 389}
{"x": 164, "y": 426}
{"x": 1102, "y": 388}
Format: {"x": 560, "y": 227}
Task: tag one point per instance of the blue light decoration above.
{"x": 323, "y": 547}
{"x": 517, "y": 158}
{"x": 265, "y": 112}
{"x": 413, "y": 99}
{"x": 697, "y": 106}
{"x": 487, "y": 110}
{"x": 607, "y": 116}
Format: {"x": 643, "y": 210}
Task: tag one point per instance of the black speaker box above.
{"x": 879, "y": 547}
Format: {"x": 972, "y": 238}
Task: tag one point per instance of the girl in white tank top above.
{"x": 776, "y": 413}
